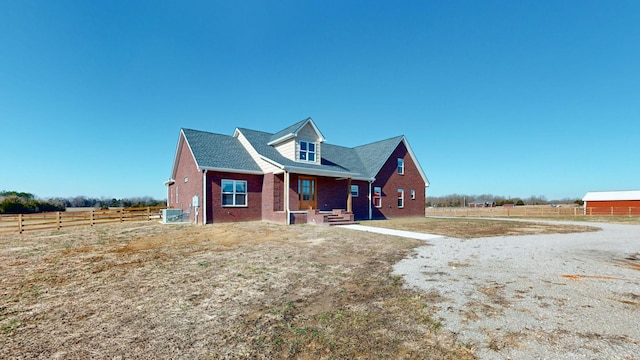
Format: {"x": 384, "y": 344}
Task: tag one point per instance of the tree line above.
{"x": 462, "y": 200}
{"x": 14, "y": 202}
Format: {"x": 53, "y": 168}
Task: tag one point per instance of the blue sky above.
{"x": 511, "y": 98}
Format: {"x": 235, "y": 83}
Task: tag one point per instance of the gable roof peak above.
{"x": 216, "y": 151}
{"x": 292, "y": 131}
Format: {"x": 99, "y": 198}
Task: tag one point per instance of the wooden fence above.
{"x": 64, "y": 219}
{"x": 534, "y": 211}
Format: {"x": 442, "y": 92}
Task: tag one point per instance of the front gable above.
{"x": 300, "y": 142}
{"x": 399, "y": 190}
{"x": 182, "y": 143}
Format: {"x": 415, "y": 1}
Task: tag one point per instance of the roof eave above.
{"x": 294, "y": 133}
{"x": 281, "y": 139}
{"x": 323, "y": 172}
{"x": 315, "y": 128}
{"x": 386, "y": 158}
{"x": 179, "y": 152}
{"x": 404, "y": 140}
{"x": 230, "y": 170}
{"x": 415, "y": 159}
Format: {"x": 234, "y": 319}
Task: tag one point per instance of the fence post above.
{"x": 91, "y": 222}
{"x": 148, "y": 213}
{"x": 122, "y": 215}
{"x": 20, "y": 223}
{"x": 58, "y": 220}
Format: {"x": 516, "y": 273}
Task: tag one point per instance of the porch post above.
{"x": 349, "y": 196}
{"x": 286, "y": 197}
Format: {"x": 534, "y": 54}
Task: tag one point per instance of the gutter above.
{"x": 203, "y": 203}
{"x": 321, "y": 172}
{"x": 238, "y": 171}
{"x": 370, "y": 201}
{"x": 316, "y": 172}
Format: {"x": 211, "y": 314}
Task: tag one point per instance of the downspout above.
{"x": 370, "y": 201}
{"x": 286, "y": 196}
{"x": 203, "y": 203}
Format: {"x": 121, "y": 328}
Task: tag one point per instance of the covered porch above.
{"x": 325, "y": 200}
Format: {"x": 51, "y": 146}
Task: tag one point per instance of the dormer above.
{"x": 301, "y": 142}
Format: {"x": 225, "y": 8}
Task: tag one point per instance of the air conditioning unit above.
{"x": 171, "y": 216}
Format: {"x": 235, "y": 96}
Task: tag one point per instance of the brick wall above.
{"x": 390, "y": 181}
{"x": 332, "y": 194}
{"x": 273, "y": 198}
{"x": 360, "y": 204}
{"x": 218, "y": 213}
{"x": 188, "y": 183}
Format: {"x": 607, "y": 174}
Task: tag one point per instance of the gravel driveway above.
{"x": 558, "y": 296}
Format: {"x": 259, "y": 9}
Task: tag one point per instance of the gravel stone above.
{"x": 554, "y": 296}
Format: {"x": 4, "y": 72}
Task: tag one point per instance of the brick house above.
{"x": 293, "y": 176}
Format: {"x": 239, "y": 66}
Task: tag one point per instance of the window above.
{"x": 355, "y": 190}
{"x": 400, "y": 198}
{"x": 307, "y": 151}
{"x": 413, "y": 194}
{"x": 234, "y": 193}
{"x": 377, "y": 196}
{"x": 400, "y": 166}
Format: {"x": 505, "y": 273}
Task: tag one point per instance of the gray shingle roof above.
{"x": 288, "y": 131}
{"x": 219, "y": 151}
{"x": 364, "y": 161}
{"x": 259, "y": 140}
{"x": 374, "y": 155}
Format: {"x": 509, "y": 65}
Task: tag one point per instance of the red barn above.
{"x": 612, "y": 202}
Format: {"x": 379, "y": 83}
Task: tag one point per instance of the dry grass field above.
{"x": 225, "y": 291}
{"x": 468, "y": 228}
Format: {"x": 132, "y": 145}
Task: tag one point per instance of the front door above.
{"x": 307, "y": 193}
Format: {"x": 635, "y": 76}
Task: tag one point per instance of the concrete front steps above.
{"x": 335, "y": 217}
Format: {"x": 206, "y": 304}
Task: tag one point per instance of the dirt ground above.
{"x": 539, "y": 296}
{"x": 225, "y": 291}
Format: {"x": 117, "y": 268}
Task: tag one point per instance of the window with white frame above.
{"x": 400, "y": 166}
{"x": 413, "y": 194}
{"x": 355, "y": 190}
{"x": 234, "y": 193}
{"x": 400, "y": 198}
{"x": 377, "y": 196}
{"x": 307, "y": 151}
